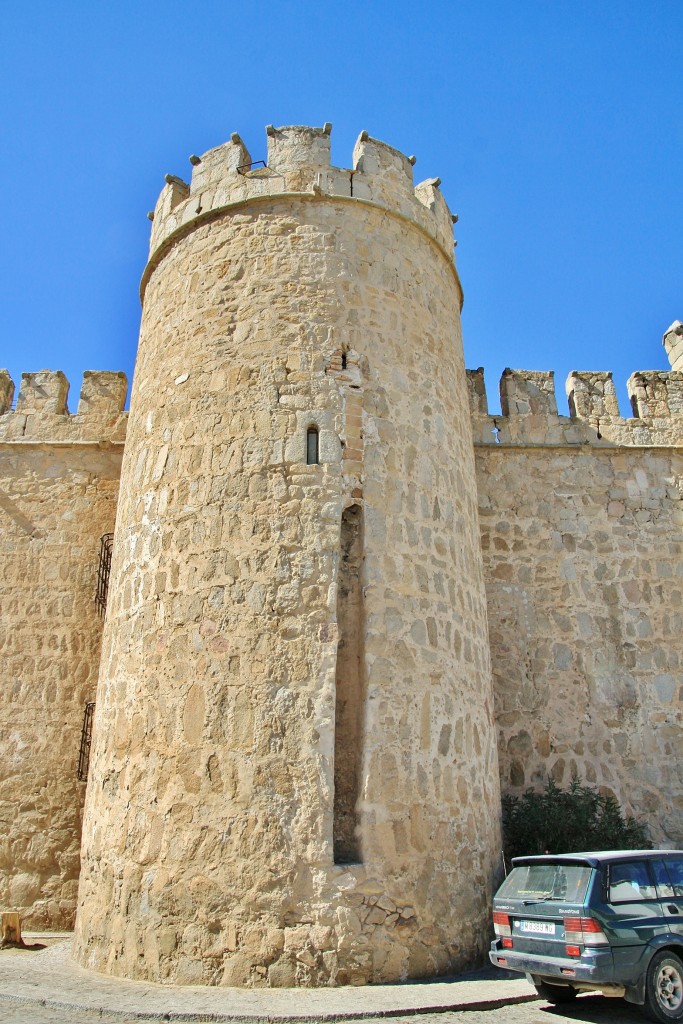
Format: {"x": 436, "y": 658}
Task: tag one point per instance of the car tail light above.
{"x": 573, "y": 950}
{"x": 506, "y": 943}
{"x": 501, "y": 923}
{"x": 585, "y": 930}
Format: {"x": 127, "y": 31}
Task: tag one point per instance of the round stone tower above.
{"x": 294, "y": 777}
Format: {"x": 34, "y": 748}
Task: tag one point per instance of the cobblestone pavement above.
{"x": 47, "y": 975}
{"x": 586, "y": 1010}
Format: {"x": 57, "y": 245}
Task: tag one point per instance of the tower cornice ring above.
{"x": 202, "y": 219}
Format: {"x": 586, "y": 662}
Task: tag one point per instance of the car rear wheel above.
{"x": 555, "y": 993}
{"x": 664, "y": 988}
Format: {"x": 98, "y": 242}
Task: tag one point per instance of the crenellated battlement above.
{"x": 656, "y": 395}
{"x": 298, "y": 146}
{"x": 530, "y": 411}
{"x": 41, "y": 413}
{"x": 673, "y": 343}
{"x": 298, "y": 164}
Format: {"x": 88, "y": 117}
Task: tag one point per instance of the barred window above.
{"x": 103, "y": 570}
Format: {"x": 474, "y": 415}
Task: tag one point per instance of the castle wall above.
{"x": 582, "y": 538}
{"x": 277, "y": 301}
{"x": 295, "y": 778}
{"x": 58, "y": 486}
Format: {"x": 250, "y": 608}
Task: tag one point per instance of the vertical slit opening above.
{"x": 312, "y": 446}
{"x": 350, "y": 691}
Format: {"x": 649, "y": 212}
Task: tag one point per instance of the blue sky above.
{"x": 556, "y": 128}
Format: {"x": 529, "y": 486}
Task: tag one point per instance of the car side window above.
{"x": 675, "y": 868}
{"x": 629, "y": 882}
{"x": 665, "y": 889}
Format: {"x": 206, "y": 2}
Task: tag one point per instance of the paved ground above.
{"x": 586, "y": 1010}
{"x": 45, "y": 987}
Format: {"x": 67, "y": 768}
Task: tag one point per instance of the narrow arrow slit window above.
{"x": 312, "y": 445}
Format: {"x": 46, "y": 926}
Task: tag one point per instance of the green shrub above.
{"x": 567, "y": 821}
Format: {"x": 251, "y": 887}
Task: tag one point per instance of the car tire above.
{"x": 555, "y": 993}
{"x": 664, "y": 987}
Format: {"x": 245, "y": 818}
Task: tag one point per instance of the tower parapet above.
{"x": 298, "y": 164}
{"x": 42, "y": 414}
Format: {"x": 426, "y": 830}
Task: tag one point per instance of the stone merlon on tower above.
{"x": 673, "y": 343}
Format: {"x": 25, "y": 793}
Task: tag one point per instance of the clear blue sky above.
{"x": 556, "y": 128}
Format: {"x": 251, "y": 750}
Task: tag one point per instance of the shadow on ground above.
{"x": 596, "y": 1009}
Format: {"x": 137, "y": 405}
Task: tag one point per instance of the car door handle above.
{"x": 672, "y": 908}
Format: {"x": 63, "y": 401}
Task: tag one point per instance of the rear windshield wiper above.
{"x": 545, "y": 899}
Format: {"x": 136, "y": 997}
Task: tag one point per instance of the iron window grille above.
{"x": 103, "y": 571}
{"x": 86, "y": 740}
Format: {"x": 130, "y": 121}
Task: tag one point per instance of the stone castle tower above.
{"x": 295, "y": 756}
{"x": 331, "y": 564}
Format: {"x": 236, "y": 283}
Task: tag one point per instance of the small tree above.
{"x": 568, "y": 821}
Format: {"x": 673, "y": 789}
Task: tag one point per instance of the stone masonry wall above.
{"x": 209, "y": 843}
{"x": 58, "y": 488}
{"x": 582, "y": 536}
{"x": 295, "y": 776}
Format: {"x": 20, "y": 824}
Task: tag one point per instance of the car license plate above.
{"x": 538, "y": 927}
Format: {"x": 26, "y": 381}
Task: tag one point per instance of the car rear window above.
{"x": 567, "y": 882}
{"x": 629, "y": 882}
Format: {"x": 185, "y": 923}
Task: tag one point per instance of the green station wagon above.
{"x": 608, "y": 922}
